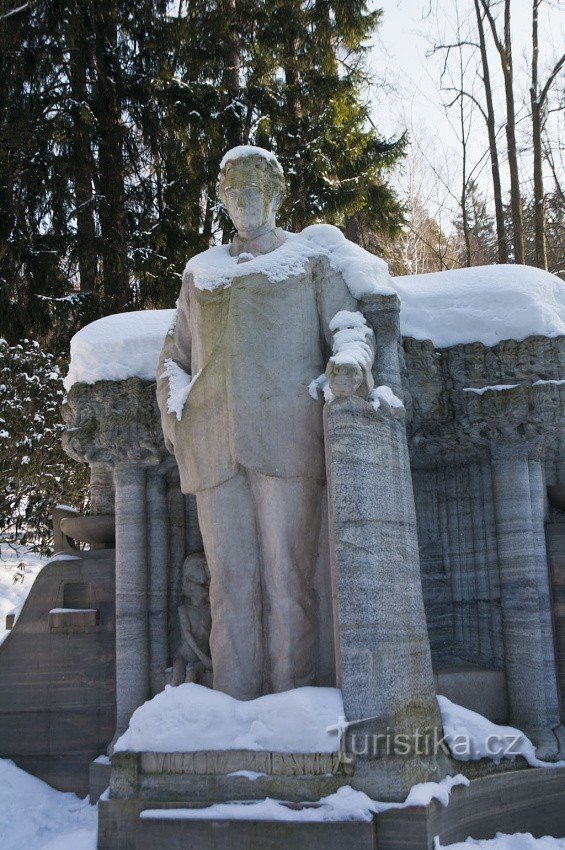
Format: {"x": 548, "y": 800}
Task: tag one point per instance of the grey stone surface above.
{"x": 492, "y": 454}
{"x": 158, "y": 584}
{"x": 185, "y": 834}
{"x": 556, "y": 553}
{"x": 517, "y": 801}
{"x": 57, "y": 686}
{"x": 479, "y": 689}
{"x": 98, "y": 779}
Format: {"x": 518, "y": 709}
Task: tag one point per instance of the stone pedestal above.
{"x": 382, "y": 648}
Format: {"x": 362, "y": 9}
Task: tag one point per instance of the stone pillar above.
{"x": 459, "y": 621}
{"x": 383, "y": 314}
{"x": 532, "y": 687}
{"x": 478, "y": 525}
{"x": 101, "y": 489}
{"x": 158, "y": 554}
{"x": 177, "y": 553}
{"x": 538, "y": 493}
{"x": 491, "y": 563}
{"x": 132, "y": 644}
{"x": 383, "y": 653}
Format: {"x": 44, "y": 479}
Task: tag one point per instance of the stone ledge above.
{"x": 73, "y": 619}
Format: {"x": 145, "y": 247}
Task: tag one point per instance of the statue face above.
{"x": 250, "y": 198}
{"x": 248, "y": 206}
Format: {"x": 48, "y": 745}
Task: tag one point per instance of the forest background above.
{"x": 114, "y": 117}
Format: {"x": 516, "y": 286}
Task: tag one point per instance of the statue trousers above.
{"x": 260, "y": 537}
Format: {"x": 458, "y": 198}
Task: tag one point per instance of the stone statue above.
{"x": 253, "y": 330}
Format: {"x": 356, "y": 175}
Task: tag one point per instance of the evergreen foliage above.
{"x": 35, "y": 473}
{"x": 114, "y": 117}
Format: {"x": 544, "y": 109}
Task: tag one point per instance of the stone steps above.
{"x": 177, "y": 832}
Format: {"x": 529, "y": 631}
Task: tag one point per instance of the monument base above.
{"x": 528, "y": 800}
{"x": 147, "y": 780}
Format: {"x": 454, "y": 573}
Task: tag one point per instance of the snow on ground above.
{"x": 470, "y": 736}
{"x": 33, "y": 816}
{"x": 518, "y": 841}
{"x": 484, "y": 304}
{"x": 191, "y": 717}
{"x": 15, "y": 583}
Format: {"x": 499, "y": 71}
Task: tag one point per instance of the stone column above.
{"x": 491, "y": 562}
{"x": 485, "y": 636}
{"x": 101, "y": 489}
{"x": 538, "y": 492}
{"x": 383, "y": 314}
{"x": 459, "y": 621}
{"x": 532, "y": 687}
{"x": 132, "y": 644}
{"x": 383, "y": 653}
{"x": 177, "y": 553}
{"x": 158, "y": 554}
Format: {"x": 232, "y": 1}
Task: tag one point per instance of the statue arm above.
{"x": 177, "y": 348}
{"x": 353, "y": 349}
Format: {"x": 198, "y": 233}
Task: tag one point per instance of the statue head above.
{"x": 251, "y": 189}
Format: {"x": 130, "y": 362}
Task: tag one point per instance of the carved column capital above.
{"x": 114, "y": 422}
{"x": 514, "y": 421}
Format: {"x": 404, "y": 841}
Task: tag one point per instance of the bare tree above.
{"x": 538, "y": 101}
{"x": 489, "y": 116}
{"x": 503, "y": 44}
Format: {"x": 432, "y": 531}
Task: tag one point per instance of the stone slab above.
{"x": 252, "y": 835}
{"x": 203, "y": 776}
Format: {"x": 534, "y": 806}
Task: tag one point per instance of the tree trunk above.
{"x": 294, "y": 113}
{"x": 110, "y": 164}
{"x": 515, "y": 194}
{"x": 231, "y": 83}
{"x": 504, "y": 49}
{"x": 501, "y": 241}
{"x": 82, "y": 153}
{"x": 540, "y": 241}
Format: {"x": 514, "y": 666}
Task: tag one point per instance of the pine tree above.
{"x": 114, "y": 118}
{"x": 319, "y": 122}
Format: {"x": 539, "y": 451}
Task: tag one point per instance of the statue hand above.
{"x": 344, "y": 378}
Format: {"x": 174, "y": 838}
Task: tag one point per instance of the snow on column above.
{"x": 383, "y": 314}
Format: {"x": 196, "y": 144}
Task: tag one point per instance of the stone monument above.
{"x": 248, "y": 440}
{"x": 281, "y": 545}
